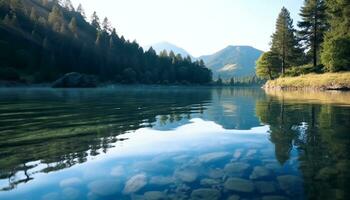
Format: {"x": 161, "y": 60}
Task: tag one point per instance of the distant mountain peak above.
{"x": 160, "y": 46}
{"x": 233, "y": 61}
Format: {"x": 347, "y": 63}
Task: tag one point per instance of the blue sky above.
{"x": 199, "y": 26}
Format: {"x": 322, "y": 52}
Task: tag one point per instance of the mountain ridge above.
{"x": 231, "y": 61}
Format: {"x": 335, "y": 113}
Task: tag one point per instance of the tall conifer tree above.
{"x": 284, "y": 41}
{"x": 313, "y": 26}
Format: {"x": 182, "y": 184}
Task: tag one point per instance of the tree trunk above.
{"x": 315, "y": 39}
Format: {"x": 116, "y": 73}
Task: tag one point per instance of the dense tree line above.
{"x": 40, "y": 40}
{"x": 322, "y": 43}
{"x": 241, "y": 81}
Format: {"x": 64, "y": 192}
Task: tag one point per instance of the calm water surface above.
{"x": 173, "y": 143}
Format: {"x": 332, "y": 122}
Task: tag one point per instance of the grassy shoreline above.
{"x": 326, "y": 81}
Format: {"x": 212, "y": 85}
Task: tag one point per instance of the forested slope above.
{"x": 41, "y": 40}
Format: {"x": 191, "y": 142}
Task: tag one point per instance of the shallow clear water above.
{"x": 173, "y": 143}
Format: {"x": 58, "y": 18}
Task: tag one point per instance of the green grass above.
{"x": 326, "y": 81}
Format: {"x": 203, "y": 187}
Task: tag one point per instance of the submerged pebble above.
{"x": 259, "y": 172}
{"x": 236, "y": 168}
{"x": 135, "y": 183}
{"x": 213, "y": 157}
{"x": 265, "y": 187}
{"x": 239, "y": 185}
{"x": 186, "y": 175}
{"x": 205, "y": 194}
{"x": 155, "y": 195}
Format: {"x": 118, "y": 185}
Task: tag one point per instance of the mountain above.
{"x": 233, "y": 61}
{"x": 41, "y": 40}
{"x": 158, "y": 47}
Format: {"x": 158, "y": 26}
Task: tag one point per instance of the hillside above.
{"x": 158, "y": 47}
{"x": 232, "y": 61}
{"x": 41, "y": 40}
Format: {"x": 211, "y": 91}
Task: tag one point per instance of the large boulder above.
{"x": 76, "y": 80}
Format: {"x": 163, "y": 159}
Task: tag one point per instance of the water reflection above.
{"x": 178, "y": 143}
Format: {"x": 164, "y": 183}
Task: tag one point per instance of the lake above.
{"x": 133, "y": 142}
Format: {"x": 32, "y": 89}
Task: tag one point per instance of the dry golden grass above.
{"x": 325, "y": 81}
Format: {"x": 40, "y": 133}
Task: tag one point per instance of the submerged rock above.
{"x": 251, "y": 152}
{"x": 205, "y": 194}
{"x": 259, "y": 172}
{"x": 155, "y": 195}
{"x": 239, "y": 185}
{"x": 265, "y": 187}
{"x": 234, "y": 197}
{"x": 209, "y": 182}
{"x": 162, "y": 180}
{"x": 236, "y": 168}
{"x": 187, "y": 175}
{"x": 213, "y": 157}
{"x": 237, "y": 154}
{"x": 135, "y": 183}
{"x": 290, "y": 184}
{"x": 104, "y": 187}
{"x": 76, "y": 80}
{"x": 215, "y": 173}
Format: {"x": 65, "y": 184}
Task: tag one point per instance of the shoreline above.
{"x": 316, "y": 82}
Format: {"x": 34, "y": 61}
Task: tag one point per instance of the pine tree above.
{"x": 336, "y": 48}
{"x": 106, "y": 25}
{"x": 95, "y": 21}
{"x": 67, "y": 4}
{"x": 284, "y": 41}
{"x": 313, "y": 26}
{"x": 81, "y": 11}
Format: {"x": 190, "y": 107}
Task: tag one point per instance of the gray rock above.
{"x": 290, "y": 184}
{"x": 265, "y": 187}
{"x": 205, "y": 194}
{"x": 213, "y": 157}
{"x": 259, "y": 172}
{"x": 239, "y": 185}
{"x": 186, "y": 175}
{"x": 273, "y": 166}
{"x": 237, "y": 154}
{"x": 234, "y": 197}
{"x": 155, "y": 195}
{"x": 236, "y": 168}
{"x": 251, "y": 152}
{"x": 104, "y": 187}
{"x": 135, "y": 183}
{"x": 215, "y": 173}
{"x": 76, "y": 80}
{"x": 274, "y": 197}
{"x": 209, "y": 182}
{"x": 162, "y": 180}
